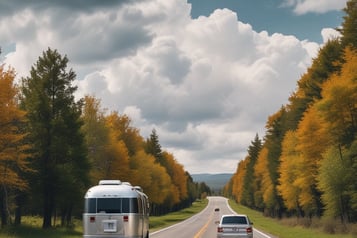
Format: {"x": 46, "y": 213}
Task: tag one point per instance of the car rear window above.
{"x": 234, "y": 220}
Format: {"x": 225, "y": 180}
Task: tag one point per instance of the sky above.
{"x": 205, "y": 74}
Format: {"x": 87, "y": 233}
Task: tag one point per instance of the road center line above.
{"x": 204, "y": 228}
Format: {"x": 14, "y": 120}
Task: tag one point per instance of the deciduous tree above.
{"x": 151, "y": 176}
{"x": 13, "y": 147}
{"x": 333, "y": 180}
{"x": 238, "y": 180}
{"x": 96, "y": 135}
{"x": 289, "y": 172}
{"x": 338, "y": 105}
{"x": 178, "y": 178}
{"x": 313, "y": 140}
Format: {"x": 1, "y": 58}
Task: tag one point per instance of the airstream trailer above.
{"x": 115, "y": 209}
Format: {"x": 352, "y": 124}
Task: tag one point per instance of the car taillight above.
{"x": 126, "y": 218}
{"x": 249, "y": 230}
{"x": 92, "y": 219}
{"x": 219, "y": 229}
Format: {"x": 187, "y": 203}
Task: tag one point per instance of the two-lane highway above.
{"x": 203, "y": 224}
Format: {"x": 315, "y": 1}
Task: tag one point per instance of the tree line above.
{"x": 53, "y": 148}
{"x": 306, "y": 165}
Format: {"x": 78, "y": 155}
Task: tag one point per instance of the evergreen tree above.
{"x": 54, "y": 127}
{"x": 322, "y": 67}
{"x": 192, "y": 191}
{"x": 248, "y": 182}
{"x": 349, "y": 26}
{"x": 153, "y": 147}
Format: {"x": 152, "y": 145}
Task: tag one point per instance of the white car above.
{"x": 235, "y": 226}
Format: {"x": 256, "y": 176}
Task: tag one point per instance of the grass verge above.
{"x": 31, "y": 228}
{"x": 279, "y": 228}
{"x": 159, "y": 222}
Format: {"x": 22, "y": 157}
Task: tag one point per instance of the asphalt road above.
{"x": 203, "y": 224}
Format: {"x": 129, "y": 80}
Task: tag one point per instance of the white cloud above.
{"x": 317, "y": 6}
{"x": 207, "y": 85}
{"x": 329, "y": 34}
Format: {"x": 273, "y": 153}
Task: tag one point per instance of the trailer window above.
{"x": 130, "y": 205}
{"x": 111, "y": 205}
{"x": 90, "y": 205}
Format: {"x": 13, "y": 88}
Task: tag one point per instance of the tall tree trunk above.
{"x": 3, "y": 210}
{"x": 5, "y": 213}
{"x": 20, "y": 199}
{"x": 49, "y": 204}
{"x": 69, "y": 215}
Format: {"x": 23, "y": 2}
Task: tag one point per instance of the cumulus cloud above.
{"x": 329, "y": 34}
{"x": 316, "y": 6}
{"x": 207, "y": 85}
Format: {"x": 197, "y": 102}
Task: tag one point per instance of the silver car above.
{"x": 235, "y": 226}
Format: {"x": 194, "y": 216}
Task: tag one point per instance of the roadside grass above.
{"x": 291, "y": 228}
{"x": 159, "y": 222}
{"x": 31, "y": 228}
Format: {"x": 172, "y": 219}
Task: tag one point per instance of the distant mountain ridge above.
{"x": 215, "y": 181}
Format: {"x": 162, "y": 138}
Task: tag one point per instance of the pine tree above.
{"x": 248, "y": 185}
{"x": 54, "y": 127}
{"x": 153, "y": 147}
{"x": 349, "y": 26}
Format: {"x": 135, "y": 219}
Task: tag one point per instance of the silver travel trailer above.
{"x": 115, "y": 209}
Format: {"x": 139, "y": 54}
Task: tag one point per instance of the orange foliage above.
{"x": 238, "y": 178}
{"x": 289, "y": 171}
{"x": 13, "y": 158}
{"x": 178, "y": 176}
{"x": 151, "y": 176}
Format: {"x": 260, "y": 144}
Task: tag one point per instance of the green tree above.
{"x": 54, "y": 127}
{"x": 261, "y": 174}
{"x": 248, "y": 181}
{"x": 352, "y": 177}
{"x": 322, "y": 67}
{"x": 349, "y": 26}
{"x": 334, "y": 180}
{"x": 153, "y": 147}
{"x": 192, "y": 191}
